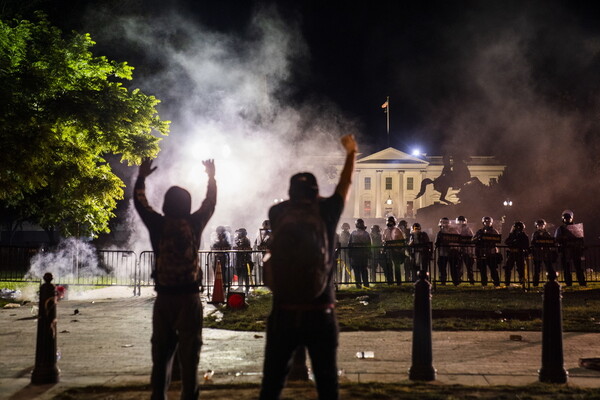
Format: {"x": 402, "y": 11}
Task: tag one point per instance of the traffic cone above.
{"x": 218, "y": 295}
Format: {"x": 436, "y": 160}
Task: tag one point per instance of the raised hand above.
{"x": 210, "y": 167}
{"x": 146, "y": 168}
{"x": 349, "y": 143}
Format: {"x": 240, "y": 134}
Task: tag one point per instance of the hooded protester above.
{"x": 177, "y": 314}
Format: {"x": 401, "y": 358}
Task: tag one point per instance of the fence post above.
{"x": 553, "y": 370}
{"x": 46, "y": 370}
{"x": 422, "y": 357}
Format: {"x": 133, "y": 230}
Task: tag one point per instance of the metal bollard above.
{"x": 46, "y": 370}
{"x": 422, "y": 367}
{"x": 553, "y": 369}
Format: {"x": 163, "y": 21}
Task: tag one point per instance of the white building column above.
{"x": 378, "y": 193}
{"x": 401, "y": 195}
{"x": 357, "y": 192}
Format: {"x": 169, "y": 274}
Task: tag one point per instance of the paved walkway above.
{"x": 107, "y": 341}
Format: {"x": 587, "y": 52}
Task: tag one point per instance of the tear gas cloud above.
{"x": 220, "y": 92}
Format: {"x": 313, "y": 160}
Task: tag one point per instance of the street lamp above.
{"x": 389, "y": 201}
{"x": 507, "y": 203}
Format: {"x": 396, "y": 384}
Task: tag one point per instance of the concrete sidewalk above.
{"x": 107, "y": 342}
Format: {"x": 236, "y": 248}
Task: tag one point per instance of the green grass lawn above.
{"x": 453, "y": 308}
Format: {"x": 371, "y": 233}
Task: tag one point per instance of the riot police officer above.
{"x": 569, "y": 238}
{"x": 420, "y": 248}
{"x": 543, "y": 249}
{"x": 394, "y": 243}
{"x": 447, "y": 252}
{"x": 486, "y": 252}
{"x": 465, "y": 251}
{"x": 360, "y": 249}
{"x": 243, "y": 258}
{"x": 518, "y": 246}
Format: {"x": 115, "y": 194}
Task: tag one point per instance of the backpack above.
{"x": 299, "y": 255}
{"x": 177, "y": 263}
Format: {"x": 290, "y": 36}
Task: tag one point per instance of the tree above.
{"x": 62, "y": 112}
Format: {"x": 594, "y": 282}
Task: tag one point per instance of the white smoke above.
{"x": 71, "y": 259}
{"x": 225, "y": 95}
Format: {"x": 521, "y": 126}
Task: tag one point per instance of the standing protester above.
{"x": 465, "y": 250}
{"x": 485, "y": 240}
{"x": 446, "y": 242}
{"x": 394, "y": 244}
{"x": 407, "y": 260}
{"x": 569, "y": 237}
{"x": 222, "y": 244}
{"x": 378, "y": 255}
{"x": 300, "y": 273}
{"x": 419, "y": 244}
{"x": 360, "y": 249}
{"x": 177, "y": 313}
{"x": 543, "y": 249}
{"x": 518, "y": 247}
{"x": 243, "y": 258}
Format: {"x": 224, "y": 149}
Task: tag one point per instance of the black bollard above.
{"x": 422, "y": 355}
{"x": 553, "y": 369}
{"x": 46, "y": 370}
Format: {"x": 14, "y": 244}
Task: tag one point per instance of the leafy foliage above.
{"x": 62, "y": 111}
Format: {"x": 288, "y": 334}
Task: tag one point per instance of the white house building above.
{"x": 387, "y": 182}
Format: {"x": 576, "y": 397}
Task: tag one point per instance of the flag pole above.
{"x": 388, "y": 119}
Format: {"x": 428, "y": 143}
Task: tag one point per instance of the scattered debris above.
{"x": 362, "y": 298}
{"x": 12, "y": 305}
{"x": 126, "y": 345}
{"x": 365, "y": 354}
{"x": 9, "y": 294}
{"x": 516, "y": 338}
{"x": 258, "y": 336}
{"x": 65, "y": 331}
{"x": 76, "y": 311}
{"x": 208, "y": 375}
{"x": 590, "y": 363}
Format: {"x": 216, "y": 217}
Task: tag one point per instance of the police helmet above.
{"x": 360, "y": 224}
{"x": 345, "y": 226}
{"x": 567, "y": 215}
{"x": 416, "y": 226}
{"x": 220, "y": 229}
{"x": 375, "y": 228}
{"x": 540, "y": 222}
{"x": 444, "y": 221}
{"x": 241, "y": 232}
{"x": 461, "y": 219}
{"x": 519, "y": 226}
{"x": 391, "y": 221}
{"x": 489, "y": 220}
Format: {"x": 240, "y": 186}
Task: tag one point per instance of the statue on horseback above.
{"x": 454, "y": 175}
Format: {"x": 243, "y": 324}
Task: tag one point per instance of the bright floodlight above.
{"x": 416, "y": 152}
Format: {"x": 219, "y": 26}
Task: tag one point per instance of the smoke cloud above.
{"x": 225, "y": 96}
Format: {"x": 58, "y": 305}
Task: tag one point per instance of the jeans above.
{"x": 318, "y": 331}
{"x": 176, "y": 325}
